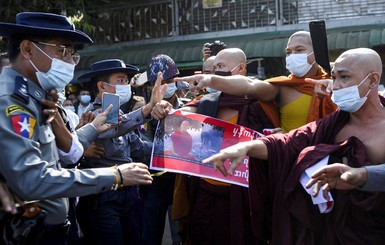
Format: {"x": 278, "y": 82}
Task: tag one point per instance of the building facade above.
{"x": 136, "y": 30}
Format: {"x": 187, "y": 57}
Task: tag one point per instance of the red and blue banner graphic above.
{"x": 23, "y": 125}
{"x": 183, "y": 140}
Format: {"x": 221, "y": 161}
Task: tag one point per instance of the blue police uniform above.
{"x": 105, "y": 218}
{"x": 29, "y": 162}
{"x": 158, "y": 198}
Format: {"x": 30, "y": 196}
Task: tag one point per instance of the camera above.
{"x": 216, "y": 46}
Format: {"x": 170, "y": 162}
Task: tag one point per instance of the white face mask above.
{"x": 348, "y": 99}
{"x": 297, "y": 64}
{"x": 58, "y": 76}
{"x": 70, "y": 108}
{"x": 170, "y": 91}
{"x": 124, "y": 92}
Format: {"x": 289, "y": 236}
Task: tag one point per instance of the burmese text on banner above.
{"x": 182, "y": 140}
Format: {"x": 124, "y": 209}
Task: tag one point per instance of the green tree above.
{"x": 77, "y": 10}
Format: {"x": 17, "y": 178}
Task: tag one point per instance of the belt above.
{"x": 57, "y": 230}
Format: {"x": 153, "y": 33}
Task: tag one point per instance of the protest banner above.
{"x": 182, "y": 140}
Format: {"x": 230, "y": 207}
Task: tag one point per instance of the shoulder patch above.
{"x": 14, "y": 108}
{"x": 21, "y": 89}
{"x": 23, "y": 125}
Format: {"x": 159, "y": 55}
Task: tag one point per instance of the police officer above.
{"x": 159, "y": 196}
{"x": 112, "y": 76}
{"x": 42, "y": 57}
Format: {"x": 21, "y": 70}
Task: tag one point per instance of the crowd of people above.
{"x": 69, "y": 177}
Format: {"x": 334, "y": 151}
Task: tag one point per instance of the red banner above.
{"x": 183, "y": 140}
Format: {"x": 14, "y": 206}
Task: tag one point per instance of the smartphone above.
{"x": 107, "y": 100}
{"x": 139, "y": 80}
{"x": 320, "y": 43}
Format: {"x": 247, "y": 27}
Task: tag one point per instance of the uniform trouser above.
{"x": 158, "y": 198}
{"x": 112, "y": 217}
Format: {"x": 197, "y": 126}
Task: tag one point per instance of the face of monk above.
{"x": 300, "y": 44}
{"x": 354, "y": 66}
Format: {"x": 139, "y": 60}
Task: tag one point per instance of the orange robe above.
{"x": 318, "y": 108}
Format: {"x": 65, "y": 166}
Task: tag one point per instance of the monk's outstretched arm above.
{"x": 235, "y": 84}
{"x": 236, "y": 153}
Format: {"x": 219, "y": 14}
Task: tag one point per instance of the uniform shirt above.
{"x": 29, "y": 161}
{"x": 121, "y": 141}
{"x": 82, "y": 109}
{"x": 376, "y": 180}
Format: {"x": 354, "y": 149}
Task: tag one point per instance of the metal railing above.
{"x": 173, "y": 18}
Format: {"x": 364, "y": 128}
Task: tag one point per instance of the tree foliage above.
{"x": 77, "y": 10}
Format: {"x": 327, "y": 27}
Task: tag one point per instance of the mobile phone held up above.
{"x": 111, "y": 99}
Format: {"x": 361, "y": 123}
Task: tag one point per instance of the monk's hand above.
{"x": 322, "y": 88}
{"x": 336, "y": 176}
{"x": 235, "y": 154}
{"x": 268, "y": 131}
{"x": 197, "y": 82}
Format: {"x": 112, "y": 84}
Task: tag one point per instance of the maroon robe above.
{"x": 221, "y": 214}
{"x": 357, "y": 217}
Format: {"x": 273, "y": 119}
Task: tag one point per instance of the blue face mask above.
{"x": 85, "y": 99}
{"x": 58, "y": 76}
{"x": 124, "y": 92}
{"x": 170, "y": 91}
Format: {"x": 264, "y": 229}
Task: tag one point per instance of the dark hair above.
{"x": 95, "y": 80}
{"x": 14, "y": 44}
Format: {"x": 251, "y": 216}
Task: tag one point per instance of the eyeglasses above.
{"x": 68, "y": 52}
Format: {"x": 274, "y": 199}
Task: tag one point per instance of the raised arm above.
{"x": 236, "y": 85}
{"x": 236, "y": 154}
{"x": 156, "y": 95}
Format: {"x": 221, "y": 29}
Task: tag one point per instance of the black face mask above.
{"x": 223, "y": 73}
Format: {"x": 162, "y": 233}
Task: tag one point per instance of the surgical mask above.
{"x": 348, "y": 99}
{"x": 170, "y": 91}
{"x": 124, "y": 92}
{"x": 70, "y": 108}
{"x": 58, "y": 76}
{"x": 85, "y": 99}
{"x": 225, "y": 73}
{"x": 211, "y": 90}
{"x": 297, "y": 64}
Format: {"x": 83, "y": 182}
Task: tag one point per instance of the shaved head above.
{"x": 304, "y": 36}
{"x": 231, "y": 59}
{"x": 208, "y": 65}
{"x": 363, "y": 59}
{"x": 235, "y": 54}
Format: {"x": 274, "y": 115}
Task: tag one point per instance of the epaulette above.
{"x": 21, "y": 89}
